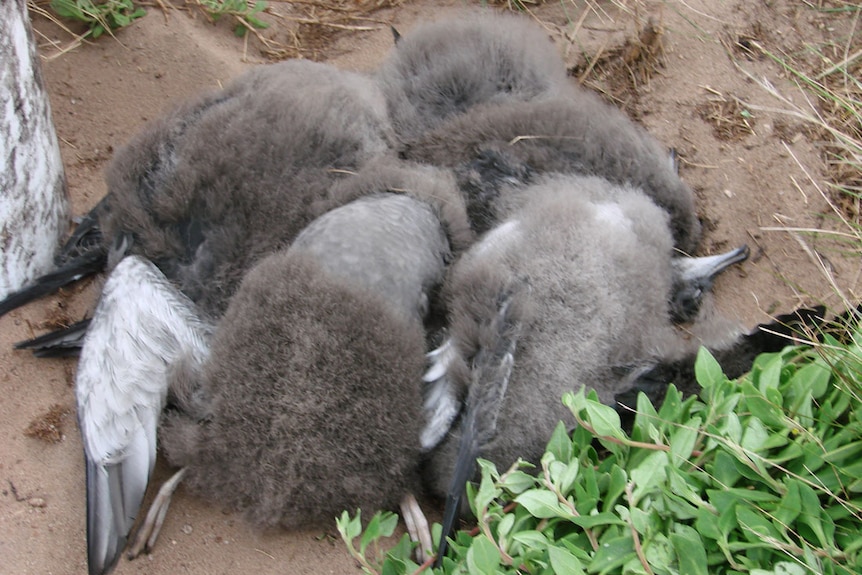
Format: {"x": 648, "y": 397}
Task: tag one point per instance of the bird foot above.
{"x": 417, "y": 527}
{"x": 148, "y": 532}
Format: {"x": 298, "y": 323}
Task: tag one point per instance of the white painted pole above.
{"x": 34, "y": 207}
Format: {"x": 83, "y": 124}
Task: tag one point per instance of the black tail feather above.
{"x": 60, "y": 343}
{"x": 468, "y": 452}
{"x": 87, "y": 264}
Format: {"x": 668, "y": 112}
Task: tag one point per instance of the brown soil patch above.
{"x": 50, "y": 426}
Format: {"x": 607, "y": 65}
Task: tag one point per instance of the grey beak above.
{"x": 693, "y": 278}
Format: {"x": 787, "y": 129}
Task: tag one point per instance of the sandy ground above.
{"x": 103, "y": 92}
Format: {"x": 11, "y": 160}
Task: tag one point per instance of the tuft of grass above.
{"x": 728, "y": 117}
{"x": 831, "y": 108}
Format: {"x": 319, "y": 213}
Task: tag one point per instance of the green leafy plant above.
{"x": 761, "y": 476}
{"x": 101, "y": 17}
{"x": 246, "y": 13}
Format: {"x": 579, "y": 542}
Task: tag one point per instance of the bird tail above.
{"x": 83, "y": 254}
{"x": 64, "y": 342}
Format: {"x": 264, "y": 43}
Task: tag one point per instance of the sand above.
{"x": 103, "y": 92}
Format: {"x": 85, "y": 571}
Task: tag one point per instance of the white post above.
{"x": 33, "y": 203}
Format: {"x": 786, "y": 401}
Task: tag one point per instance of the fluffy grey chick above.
{"x": 493, "y": 147}
{"x": 310, "y": 403}
{"x": 443, "y": 68}
{"x": 231, "y": 176}
{"x": 573, "y": 283}
{"x": 217, "y": 185}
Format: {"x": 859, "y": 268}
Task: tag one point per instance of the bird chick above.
{"x": 574, "y": 282}
{"x": 494, "y": 147}
{"x": 310, "y": 402}
{"x": 225, "y": 179}
{"x": 444, "y": 68}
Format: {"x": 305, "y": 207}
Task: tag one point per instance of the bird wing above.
{"x": 441, "y": 401}
{"x": 491, "y": 369}
{"x": 141, "y": 325}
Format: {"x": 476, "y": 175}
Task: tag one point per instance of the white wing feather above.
{"x": 141, "y": 325}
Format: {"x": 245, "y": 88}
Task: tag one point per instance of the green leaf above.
{"x": 645, "y": 419}
{"x": 531, "y": 539}
{"x": 727, "y": 519}
{"x": 381, "y": 525}
{"x": 683, "y": 485}
{"x": 707, "y": 524}
{"x": 812, "y": 378}
{"x": 690, "y": 552}
{"x": 707, "y": 370}
{"x": 590, "y": 484}
{"x": 790, "y": 506}
{"x": 640, "y": 519}
{"x": 483, "y": 558}
{"x": 769, "y": 413}
{"x": 568, "y": 476}
{"x": 770, "y": 373}
{"x": 605, "y": 420}
{"x": 403, "y": 549}
{"x": 350, "y": 528}
{"x": 504, "y": 527}
{"x": 596, "y": 520}
{"x": 782, "y": 568}
{"x": 516, "y": 482}
{"x": 612, "y": 553}
{"x": 659, "y": 552}
{"x": 563, "y": 562}
{"x": 755, "y": 435}
{"x": 576, "y": 402}
{"x": 616, "y": 487}
{"x": 726, "y": 497}
{"x": 754, "y": 525}
{"x": 682, "y": 441}
{"x": 649, "y": 475}
{"x": 820, "y": 524}
{"x": 542, "y": 504}
{"x": 845, "y": 453}
{"x": 560, "y": 444}
{"x": 670, "y": 409}
{"x": 488, "y": 490}
{"x": 724, "y": 470}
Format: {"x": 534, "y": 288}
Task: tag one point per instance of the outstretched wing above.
{"x": 141, "y": 325}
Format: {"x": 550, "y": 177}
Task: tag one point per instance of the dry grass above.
{"x": 730, "y": 120}
{"x": 620, "y": 73}
{"x": 827, "y": 73}
{"x": 296, "y": 28}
